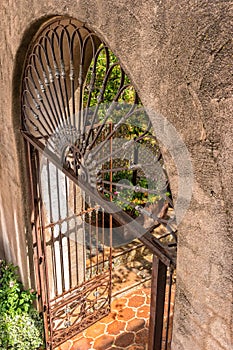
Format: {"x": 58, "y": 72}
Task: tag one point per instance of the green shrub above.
{"x": 21, "y": 326}
{"x": 23, "y": 331}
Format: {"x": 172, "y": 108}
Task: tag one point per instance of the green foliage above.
{"x": 104, "y": 81}
{"x": 21, "y": 326}
{"x": 95, "y": 79}
{"x": 20, "y": 332}
{"x": 125, "y": 197}
{"x": 13, "y": 299}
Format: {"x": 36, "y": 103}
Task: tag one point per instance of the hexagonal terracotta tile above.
{"x": 94, "y": 331}
{"x": 66, "y": 346}
{"x": 125, "y": 328}
{"x": 143, "y": 311}
{"x": 108, "y": 319}
{"x": 116, "y": 327}
{"x": 135, "y": 325}
{"x": 124, "y": 340}
{"x": 125, "y": 314}
{"x": 103, "y": 342}
{"x": 142, "y": 337}
{"x": 119, "y": 304}
{"x": 136, "y": 301}
{"x": 82, "y": 344}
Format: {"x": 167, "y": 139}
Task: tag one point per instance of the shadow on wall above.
{"x": 12, "y": 246}
{"x": 15, "y": 223}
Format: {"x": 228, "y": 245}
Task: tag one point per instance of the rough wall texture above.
{"x": 179, "y": 55}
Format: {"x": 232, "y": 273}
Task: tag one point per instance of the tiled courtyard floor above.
{"x": 126, "y": 327}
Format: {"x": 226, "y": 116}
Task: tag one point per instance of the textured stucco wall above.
{"x": 179, "y": 55}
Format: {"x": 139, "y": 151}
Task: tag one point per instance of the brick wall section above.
{"x": 178, "y": 54}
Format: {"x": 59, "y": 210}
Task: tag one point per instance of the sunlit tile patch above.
{"x": 126, "y": 327}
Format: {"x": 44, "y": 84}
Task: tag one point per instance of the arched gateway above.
{"x": 97, "y": 180}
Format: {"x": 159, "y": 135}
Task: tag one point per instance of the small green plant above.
{"x": 21, "y": 326}
{"x": 98, "y": 73}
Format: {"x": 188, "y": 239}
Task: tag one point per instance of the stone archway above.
{"x": 86, "y": 132}
{"x": 180, "y": 56}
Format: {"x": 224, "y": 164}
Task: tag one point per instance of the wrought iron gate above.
{"x": 74, "y": 263}
{"x": 97, "y": 178}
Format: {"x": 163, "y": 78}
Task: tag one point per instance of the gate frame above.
{"x": 162, "y": 261}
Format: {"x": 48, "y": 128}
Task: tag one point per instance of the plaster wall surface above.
{"x": 179, "y": 56}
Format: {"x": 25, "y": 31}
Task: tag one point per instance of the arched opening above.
{"x": 97, "y": 181}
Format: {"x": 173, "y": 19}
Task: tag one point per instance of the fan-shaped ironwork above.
{"x": 80, "y": 105}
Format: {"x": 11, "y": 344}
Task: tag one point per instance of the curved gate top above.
{"x": 97, "y": 176}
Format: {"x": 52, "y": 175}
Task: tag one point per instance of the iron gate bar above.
{"x": 75, "y": 225}
{"x": 123, "y": 218}
{"x": 133, "y": 188}
{"x": 60, "y": 235}
{"x": 59, "y": 222}
{"x": 34, "y": 221}
{"x": 158, "y": 288}
{"x": 38, "y": 240}
{"x": 116, "y": 126}
{"x": 169, "y": 305}
{"x": 68, "y": 236}
{"x": 51, "y": 231}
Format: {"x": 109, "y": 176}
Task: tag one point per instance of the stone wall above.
{"x": 179, "y": 56}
